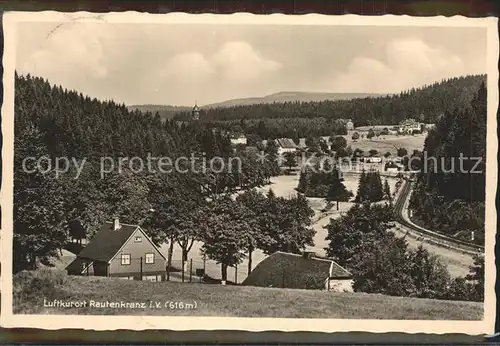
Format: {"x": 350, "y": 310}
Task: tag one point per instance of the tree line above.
{"x": 257, "y": 130}
{"x": 231, "y": 229}
{"x": 380, "y": 262}
{"x": 370, "y": 188}
{"x": 425, "y": 103}
{"x": 53, "y": 122}
{"x": 447, "y": 197}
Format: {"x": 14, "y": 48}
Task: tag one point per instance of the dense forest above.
{"x": 426, "y": 104}
{"x": 450, "y": 194}
{"x": 294, "y": 128}
{"x": 52, "y": 123}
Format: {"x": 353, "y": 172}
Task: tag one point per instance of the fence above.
{"x": 150, "y": 267}
{"x": 196, "y": 270}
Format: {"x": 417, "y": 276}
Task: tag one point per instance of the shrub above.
{"x": 30, "y": 287}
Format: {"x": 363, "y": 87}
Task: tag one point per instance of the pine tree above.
{"x": 337, "y": 190}
{"x": 374, "y": 183}
{"x": 387, "y": 191}
{"x": 361, "y": 195}
{"x": 303, "y": 182}
{"x": 39, "y": 224}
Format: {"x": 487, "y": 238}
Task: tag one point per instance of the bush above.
{"x": 459, "y": 289}
{"x": 30, "y": 287}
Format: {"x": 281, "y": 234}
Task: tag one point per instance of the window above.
{"x": 138, "y": 239}
{"x": 125, "y": 259}
{"x": 150, "y": 258}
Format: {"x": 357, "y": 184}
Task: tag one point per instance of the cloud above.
{"x": 407, "y": 63}
{"x": 239, "y": 61}
{"x": 70, "y": 51}
{"x": 234, "y": 69}
{"x": 188, "y": 67}
{"x": 178, "y": 64}
{"x": 235, "y": 61}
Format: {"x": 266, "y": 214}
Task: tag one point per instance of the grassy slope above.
{"x": 215, "y": 300}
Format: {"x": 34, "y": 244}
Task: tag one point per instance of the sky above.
{"x": 180, "y": 64}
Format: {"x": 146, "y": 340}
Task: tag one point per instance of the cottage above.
{"x": 373, "y": 159}
{"x": 238, "y": 139}
{"x": 120, "y": 250}
{"x": 286, "y": 145}
{"x": 410, "y": 127}
{"x": 306, "y": 271}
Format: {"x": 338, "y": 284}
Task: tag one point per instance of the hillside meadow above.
{"x": 31, "y": 289}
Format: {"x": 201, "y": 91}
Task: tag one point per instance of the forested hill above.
{"x": 429, "y": 100}
{"x": 449, "y": 197}
{"x": 75, "y": 125}
{"x": 290, "y": 96}
{"x": 165, "y": 111}
{"x": 52, "y": 123}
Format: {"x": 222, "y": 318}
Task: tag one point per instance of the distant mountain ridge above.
{"x": 282, "y": 96}
{"x": 291, "y": 96}
{"x": 168, "y": 111}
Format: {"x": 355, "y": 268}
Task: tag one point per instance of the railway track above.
{"x": 400, "y": 210}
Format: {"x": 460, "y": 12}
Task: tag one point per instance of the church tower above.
{"x": 195, "y": 112}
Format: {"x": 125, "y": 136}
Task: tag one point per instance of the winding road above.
{"x": 456, "y": 254}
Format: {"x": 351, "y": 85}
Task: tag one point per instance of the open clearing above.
{"x": 242, "y": 301}
{"x": 388, "y": 144}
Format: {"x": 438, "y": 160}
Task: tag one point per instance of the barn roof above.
{"x": 288, "y": 270}
{"x": 286, "y": 143}
{"x": 106, "y": 242}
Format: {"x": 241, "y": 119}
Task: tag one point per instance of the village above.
{"x": 133, "y": 256}
{"x": 254, "y": 179}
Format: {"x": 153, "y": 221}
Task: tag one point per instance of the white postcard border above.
{"x": 8, "y": 319}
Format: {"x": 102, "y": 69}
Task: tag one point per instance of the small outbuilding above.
{"x": 304, "y": 271}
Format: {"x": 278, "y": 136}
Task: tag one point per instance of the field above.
{"x": 218, "y": 300}
{"x": 389, "y": 143}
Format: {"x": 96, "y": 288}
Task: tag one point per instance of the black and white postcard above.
{"x": 249, "y": 172}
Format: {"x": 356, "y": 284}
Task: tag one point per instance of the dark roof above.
{"x": 288, "y": 270}
{"x": 236, "y": 135}
{"x": 286, "y": 143}
{"x": 106, "y": 242}
{"x": 251, "y": 149}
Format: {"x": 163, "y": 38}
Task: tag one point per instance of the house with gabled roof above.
{"x": 120, "y": 250}
{"x": 305, "y": 271}
{"x": 286, "y": 145}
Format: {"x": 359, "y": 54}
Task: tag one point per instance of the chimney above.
{"x": 308, "y": 254}
{"x": 116, "y": 225}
